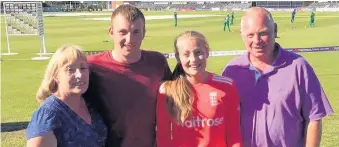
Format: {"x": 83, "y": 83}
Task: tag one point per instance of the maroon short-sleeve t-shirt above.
{"x": 125, "y": 96}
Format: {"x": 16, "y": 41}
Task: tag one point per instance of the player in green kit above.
{"x": 227, "y": 23}
{"x": 232, "y": 18}
{"x": 312, "y": 17}
{"x": 175, "y": 19}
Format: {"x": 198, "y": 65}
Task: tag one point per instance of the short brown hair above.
{"x": 130, "y": 12}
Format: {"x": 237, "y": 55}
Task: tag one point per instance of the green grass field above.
{"x": 20, "y": 76}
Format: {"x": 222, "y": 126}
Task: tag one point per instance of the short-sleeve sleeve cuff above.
{"x": 320, "y": 115}
{"x": 43, "y": 121}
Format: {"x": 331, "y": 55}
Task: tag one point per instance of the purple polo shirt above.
{"x": 276, "y": 106}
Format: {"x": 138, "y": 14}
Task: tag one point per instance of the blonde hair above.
{"x": 179, "y": 91}
{"x": 65, "y": 54}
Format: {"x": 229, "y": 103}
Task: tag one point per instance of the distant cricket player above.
{"x": 293, "y": 15}
{"x": 232, "y": 18}
{"x": 292, "y": 18}
{"x": 312, "y": 17}
{"x": 175, "y": 19}
{"x": 227, "y": 23}
{"x": 276, "y": 30}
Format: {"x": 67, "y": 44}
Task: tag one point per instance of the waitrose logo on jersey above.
{"x": 197, "y": 122}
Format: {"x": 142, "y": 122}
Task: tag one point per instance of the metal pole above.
{"x": 38, "y": 32}
{"x": 7, "y": 35}
{"x": 39, "y": 18}
{"x": 38, "y": 27}
{"x": 40, "y": 47}
{"x": 43, "y": 44}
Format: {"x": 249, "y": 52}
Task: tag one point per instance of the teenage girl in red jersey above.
{"x": 197, "y": 108}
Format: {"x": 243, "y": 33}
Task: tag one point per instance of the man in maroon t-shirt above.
{"x": 124, "y": 82}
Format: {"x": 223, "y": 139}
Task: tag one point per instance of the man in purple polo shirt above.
{"x": 282, "y": 101}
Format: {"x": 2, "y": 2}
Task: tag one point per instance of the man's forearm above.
{"x": 313, "y": 133}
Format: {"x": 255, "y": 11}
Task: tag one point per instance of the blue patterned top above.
{"x": 69, "y": 129}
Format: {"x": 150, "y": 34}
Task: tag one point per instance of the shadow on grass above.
{"x": 13, "y": 126}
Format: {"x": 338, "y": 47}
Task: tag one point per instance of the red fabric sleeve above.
{"x": 163, "y": 119}
{"x": 233, "y": 135}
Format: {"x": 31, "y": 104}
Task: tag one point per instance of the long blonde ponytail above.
{"x": 179, "y": 96}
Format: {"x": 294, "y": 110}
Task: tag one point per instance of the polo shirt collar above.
{"x": 278, "y": 63}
